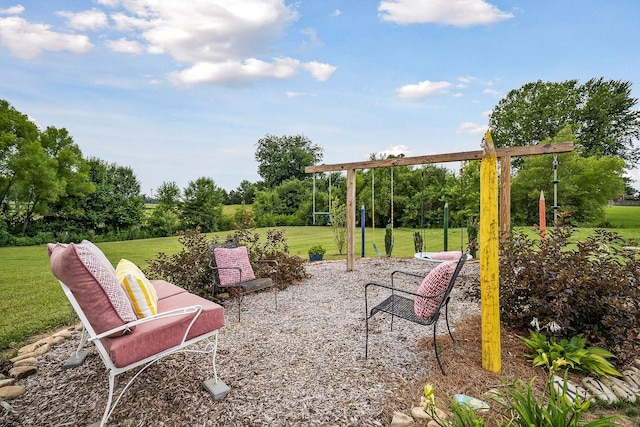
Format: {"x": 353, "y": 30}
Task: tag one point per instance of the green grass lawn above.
{"x": 33, "y": 302}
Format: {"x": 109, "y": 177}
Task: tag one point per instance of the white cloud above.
{"x": 319, "y": 70}
{"x": 291, "y": 94}
{"x": 125, "y": 46}
{"x": 459, "y": 13}
{"x": 27, "y": 40}
{"x": 492, "y": 92}
{"x": 13, "y": 10}
{"x": 236, "y": 72}
{"x": 312, "y": 34}
{"x": 336, "y": 12}
{"x": 394, "y": 150}
{"x": 221, "y": 41}
{"x": 423, "y": 89}
{"x": 206, "y": 30}
{"x": 88, "y": 20}
{"x": 471, "y": 128}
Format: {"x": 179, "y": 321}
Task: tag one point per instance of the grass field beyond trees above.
{"x": 33, "y": 302}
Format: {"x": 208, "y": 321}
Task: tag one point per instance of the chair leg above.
{"x": 366, "y": 336}
{"x": 275, "y": 291}
{"x": 435, "y": 348}
{"x": 446, "y": 316}
{"x": 240, "y": 298}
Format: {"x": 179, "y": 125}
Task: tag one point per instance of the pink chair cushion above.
{"x": 236, "y": 257}
{"x": 165, "y": 289}
{"x": 436, "y": 281}
{"x": 447, "y": 255}
{"x": 90, "y": 277}
{"x": 153, "y": 337}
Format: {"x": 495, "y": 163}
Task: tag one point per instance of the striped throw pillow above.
{"x": 139, "y": 289}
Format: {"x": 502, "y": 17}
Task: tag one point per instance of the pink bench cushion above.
{"x": 165, "y": 289}
{"x": 236, "y": 257}
{"x": 153, "y": 337}
{"x": 90, "y": 277}
{"x": 447, "y": 255}
{"x": 436, "y": 281}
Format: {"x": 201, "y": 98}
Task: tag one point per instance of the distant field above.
{"x": 623, "y": 216}
{"x": 32, "y": 301}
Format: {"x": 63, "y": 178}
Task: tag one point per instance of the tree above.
{"x": 16, "y": 131}
{"x": 165, "y": 218}
{"x": 281, "y": 158}
{"x": 600, "y": 113}
{"x": 117, "y": 204}
{"x": 202, "y": 205}
{"x": 72, "y": 175}
{"x": 246, "y": 192}
{"x": 584, "y": 187}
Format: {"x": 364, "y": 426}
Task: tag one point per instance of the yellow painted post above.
{"x": 489, "y": 278}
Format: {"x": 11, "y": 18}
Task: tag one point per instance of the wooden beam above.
{"x": 489, "y": 279}
{"x": 529, "y": 150}
{"x": 505, "y": 198}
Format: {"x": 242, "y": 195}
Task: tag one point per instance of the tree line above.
{"x": 49, "y": 191}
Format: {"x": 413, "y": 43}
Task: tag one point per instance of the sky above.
{"x": 182, "y": 89}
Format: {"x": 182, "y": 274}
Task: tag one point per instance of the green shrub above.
{"x": 590, "y": 287}
{"x": 592, "y": 360}
{"x": 189, "y": 268}
{"x": 388, "y": 240}
{"x": 317, "y": 250}
{"x": 290, "y": 267}
{"x": 521, "y": 407}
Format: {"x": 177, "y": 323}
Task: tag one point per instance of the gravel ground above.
{"x": 302, "y": 364}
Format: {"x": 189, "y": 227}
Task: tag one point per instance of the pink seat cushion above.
{"x": 447, "y": 255}
{"x": 153, "y": 337}
{"x": 236, "y": 257}
{"x": 91, "y": 279}
{"x": 436, "y": 281}
{"x": 165, "y": 289}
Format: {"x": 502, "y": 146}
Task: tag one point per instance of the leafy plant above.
{"x": 317, "y": 250}
{"x": 518, "y": 405}
{"x": 418, "y": 243}
{"x": 553, "y": 408}
{"x": 592, "y": 360}
{"x": 189, "y": 267}
{"x": 388, "y": 241}
{"x": 590, "y": 287}
{"x": 339, "y": 225}
{"x": 275, "y": 247}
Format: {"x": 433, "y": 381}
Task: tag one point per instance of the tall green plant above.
{"x": 388, "y": 241}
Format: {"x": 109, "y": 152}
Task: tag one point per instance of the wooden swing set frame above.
{"x": 490, "y": 219}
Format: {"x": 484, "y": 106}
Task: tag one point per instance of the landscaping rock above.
{"x": 29, "y": 361}
{"x": 401, "y": 420}
{"x": 65, "y": 333}
{"x": 7, "y": 382}
{"x": 11, "y": 392}
{"x": 21, "y": 372}
{"x": 42, "y": 349}
{"x": 23, "y": 356}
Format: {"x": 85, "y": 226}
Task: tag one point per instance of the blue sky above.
{"x": 179, "y": 89}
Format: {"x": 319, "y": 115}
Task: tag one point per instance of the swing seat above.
{"x": 375, "y": 248}
{"x": 442, "y": 256}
